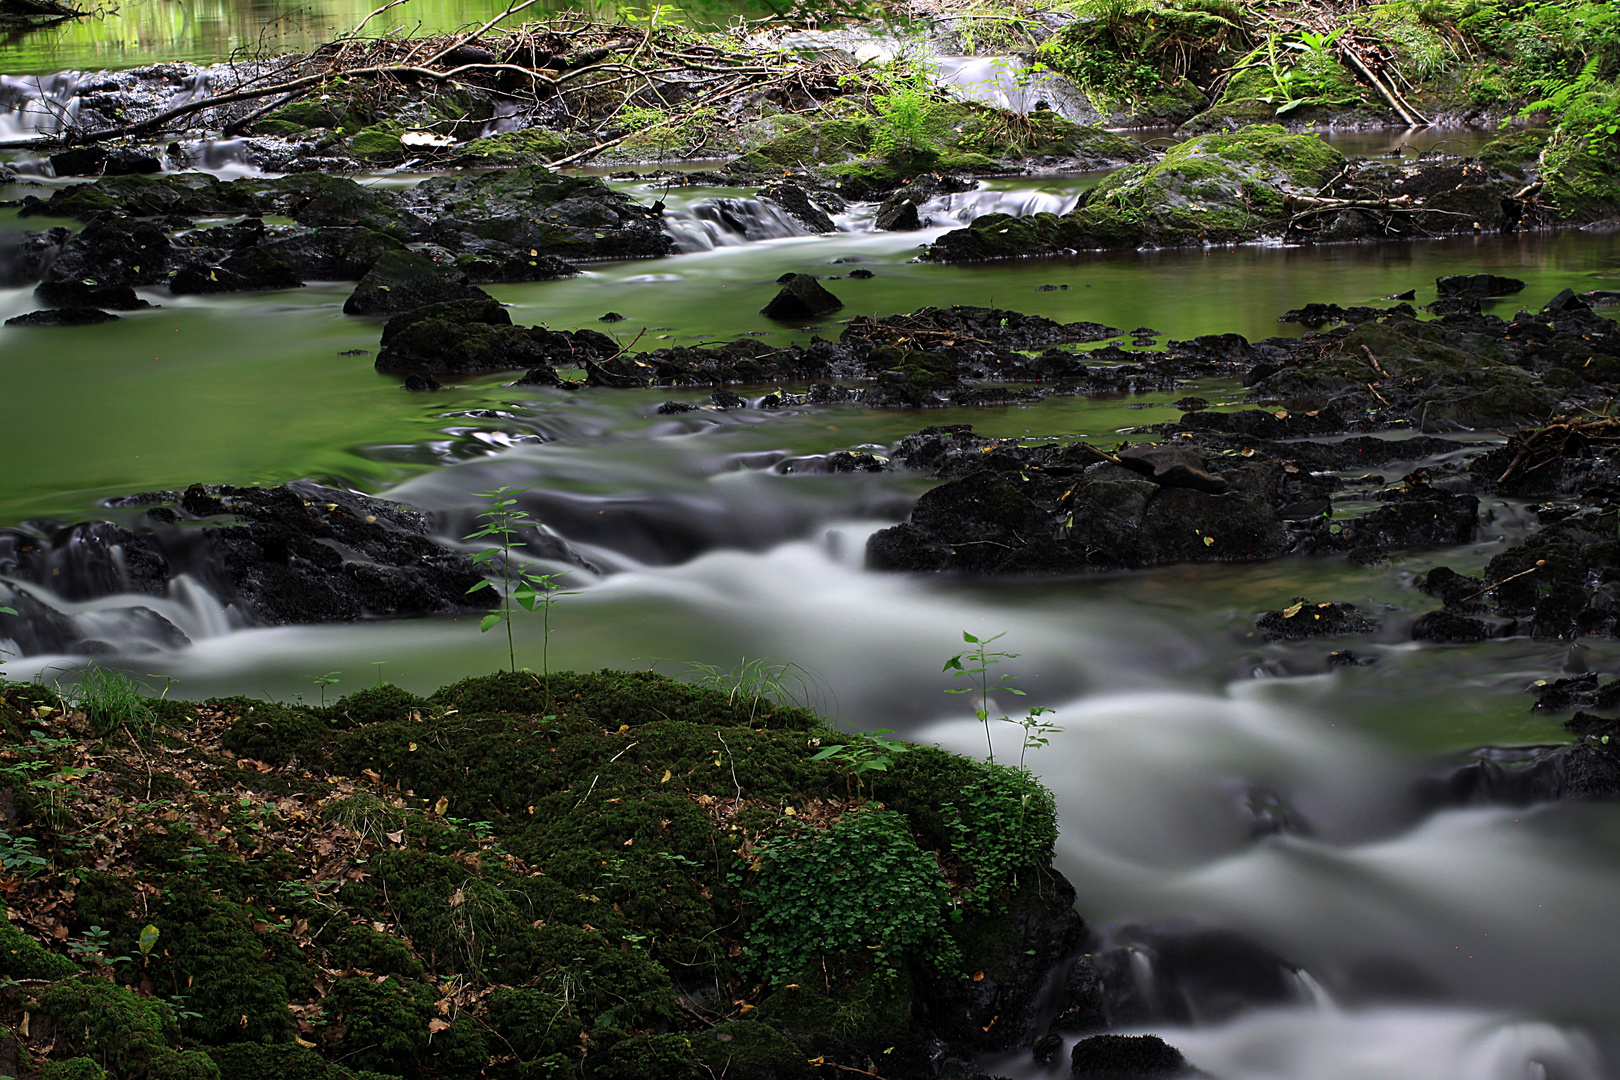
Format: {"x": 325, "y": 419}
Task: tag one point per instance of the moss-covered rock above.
{"x": 376, "y": 144}
{"x": 530, "y": 146}
{"x": 21, "y": 957}
{"x": 79, "y": 1068}
{"x": 1213, "y": 189}
{"x": 134, "y": 1036}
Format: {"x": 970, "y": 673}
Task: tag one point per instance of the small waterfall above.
{"x": 965, "y": 206}
{"x": 726, "y": 222}
{"x": 35, "y": 105}
{"x": 1008, "y": 83}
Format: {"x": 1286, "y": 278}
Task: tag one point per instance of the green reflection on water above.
{"x": 137, "y": 32}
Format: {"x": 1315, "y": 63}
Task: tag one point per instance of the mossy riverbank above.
{"x": 591, "y": 875}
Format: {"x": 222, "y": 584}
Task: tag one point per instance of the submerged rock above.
{"x": 1477, "y": 285}
{"x": 1303, "y": 619}
{"x": 65, "y": 316}
{"x": 802, "y": 297}
{"x": 65, "y": 294}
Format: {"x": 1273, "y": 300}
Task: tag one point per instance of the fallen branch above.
{"x": 1390, "y": 95}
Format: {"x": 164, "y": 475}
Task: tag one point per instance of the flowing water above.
{"x": 1467, "y": 943}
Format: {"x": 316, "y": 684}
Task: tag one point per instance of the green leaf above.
{"x": 8, "y": 611}
{"x": 482, "y": 585}
{"x": 825, "y": 752}
{"x": 149, "y": 937}
{"x": 490, "y": 622}
{"x": 970, "y": 639}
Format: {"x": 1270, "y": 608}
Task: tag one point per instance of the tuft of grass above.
{"x": 111, "y": 702}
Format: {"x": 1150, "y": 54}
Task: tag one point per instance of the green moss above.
{"x": 266, "y": 731}
{"x": 862, "y": 886}
{"x": 21, "y": 957}
{"x": 79, "y": 1068}
{"x": 286, "y": 1061}
{"x": 1218, "y": 188}
{"x": 537, "y": 1025}
{"x": 611, "y": 698}
{"x": 514, "y": 148}
{"x": 615, "y": 1054}
{"x": 750, "y": 1050}
{"x": 133, "y": 1036}
{"x": 1513, "y": 151}
{"x": 376, "y": 704}
{"x": 796, "y": 143}
{"x": 210, "y": 947}
{"x": 376, "y": 143}
{"x": 381, "y": 1026}
{"x": 845, "y": 1003}
{"x": 278, "y": 127}
{"x": 306, "y": 114}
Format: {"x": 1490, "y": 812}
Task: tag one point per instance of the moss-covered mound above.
{"x": 1214, "y": 189}
{"x": 592, "y": 875}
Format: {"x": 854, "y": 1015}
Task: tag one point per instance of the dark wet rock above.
{"x": 404, "y": 280}
{"x": 1126, "y": 1057}
{"x": 1186, "y": 974}
{"x": 861, "y": 275}
{"x": 674, "y": 408}
{"x": 462, "y": 337}
{"x": 422, "y": 382}
{"x": 24, "y": 256}
{"x": 796, "y": 201}
{"x": 67, "y": 316}
{"x": 725, "y": 399}
{"x": 612, "y": 316}
{"x": 1455, "y": 305}
{"x": 1012, "y": 508}
{"x": 1583, "y": 691}
{"x": 1001, "y": 1010}
{"x": 1451, "y": 587}
{"x": 1339, "y": 658}
{"x": 802, "y": 297}
{"x": 83, "y": 294}
{"x": 330, "y": 253}
{"x": 487, "y": 261}
{"x": 114, "y": 252}
{"x": 1564, "y": 302}
{"x": 251, "y": 268}
{"x": 1173, "y": 466}
{"x": 1477, "y": 285}
{"x": 100, "y": 161}
{"x": 1449, "y": 627}
{"x": 1589, "y": 768}
{"x": 898, "y": 213}
{"x": 86, "y": 561}
{"x": 533, "y": 211}
{"x": 1303, "y": 619}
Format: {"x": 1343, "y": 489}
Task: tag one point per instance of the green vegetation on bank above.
{"x": 609, "y": 875}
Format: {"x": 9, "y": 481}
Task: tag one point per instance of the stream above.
{"x": 1433, "y": 944}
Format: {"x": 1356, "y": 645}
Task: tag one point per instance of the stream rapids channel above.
{"x": 1474, "y": 943}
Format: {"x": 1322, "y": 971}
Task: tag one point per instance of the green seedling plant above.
{"x": 974, "y": 665}
{"x": 531, "y": 592}
{"x": 871, "y": 752}
{"x": 323, "y": 681}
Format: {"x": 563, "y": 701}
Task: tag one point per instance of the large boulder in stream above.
{"x": 533, "y": 212}
{"x": 114, "y": 252}
{"x": 405, "y": 280}
{"x": 1213, "y": 189}
{"x": 466, "y": 337}
{"x": 1009, "y": 508}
